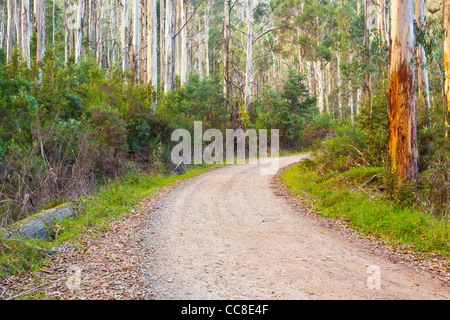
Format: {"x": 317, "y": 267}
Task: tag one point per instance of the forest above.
{"x": 91, "y": 90}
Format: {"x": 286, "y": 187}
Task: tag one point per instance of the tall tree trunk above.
{"x": 161, "y": 40}
{"x": 184, "y": 44}
{"x": 152, "y": 43}
{"x": 40, "y": 23}
{"x": 226, "y": 53}
{"x": 26, "y": 31}
{"x": 207, "y": 21}
{"x": 79, "y": 34}
{"x": 424, "y": 92}
{"x": 403, "y": 152}
{"x": 339, "y": 78}
{"x": 136, "y": 38}
{"x": 200, "y": 48}
{"x": 447, "y": 65}
{"x": 320, "y": 87}
{"x": 125, "y": 36}
{"x": 10, "y": 29}
{"x": 367, "y": 85}
{"x": 178, "y": 38}
{"x": 249, "y": 69}
{"x": 144, "y": 44}
{"x": 168, "y": 48}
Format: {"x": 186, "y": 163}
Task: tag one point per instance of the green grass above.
{"x": 111, "y": 202}
{"x": 370, "y": 212}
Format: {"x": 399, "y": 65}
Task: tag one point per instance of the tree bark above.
{"x": 226, "y": 53}
{"x": 40, "y": 23}
{"x": 125, "y": 36}
{"x": 184, "y": 44}
{"x": 152, "y": 44}
{"x": 447, "y": 64}
{"x": 136, "y": 38}
{"x": 168, "y": 48}
{"x": 10, "y": 29}
{"x": 424, "y": 92}
{"x": 403, "y": 151}
{"x": 79, "y": 34}
{"x": 26, "y": 31}
{"x": 249, "y": 69}
{"x": 207, "y": 22}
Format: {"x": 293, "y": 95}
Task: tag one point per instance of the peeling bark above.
{"x": 403, "y": 150}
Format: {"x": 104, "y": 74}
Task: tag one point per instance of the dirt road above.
{"x": 227, "y": 235}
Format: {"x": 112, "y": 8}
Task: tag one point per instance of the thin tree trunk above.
{"x": 339, "y": 98}
{"x": 168, "y": 48}
{"x": 26, "y": 31}
{"x": 249, "y": 69}
{"x": 40, "y": 22}
{"x": 79, "y": 35}
{"x": 367, "y": 55}
{"x": 161, "y": 40}
{"x": 424, "y": 92}
{"x": 447, "y": 64}
{"x": 403, "y": 152}
{"x": 10, "y": 29}
{"x": 152, "y": 44}
{"x": 226, "y": 53}
{"x": 136, "y": 38}
{"x": 184, "y": 45}
{"x": 200, "y": 49}
{"x": 207, "y": 22}
{"x": 125, "y": 36}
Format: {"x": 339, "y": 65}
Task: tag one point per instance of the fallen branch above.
{"x": 365, "y": 183}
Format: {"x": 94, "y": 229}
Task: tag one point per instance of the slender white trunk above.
{"x": 10, "y": 29}
{"x": 338, "y": 55}
{"x": 200, "y": 49}
{"x": 152, "y": 44}
{"x": 136, "y": 37}
{"x": 207, "y": 18}
{"x": 184, "y": 45}
{"x": 422, "y": 69}
{"x": 168, "y": 48}
{"x": 125, "y": 36}
{"x": 321, "y": 91}
{"x": 79, "y": 34}
{"x": 40, "y": 23}
{"x": 26, "y": 31}
{"x": 249, "y": 70}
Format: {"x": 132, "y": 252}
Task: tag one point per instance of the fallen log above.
{"x": 40, "y": 225}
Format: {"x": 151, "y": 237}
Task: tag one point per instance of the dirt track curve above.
{"x": 227, "y": 235}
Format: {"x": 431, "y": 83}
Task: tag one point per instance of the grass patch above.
{"x": 111, "y": 202}
{"x": 334, "y": 195}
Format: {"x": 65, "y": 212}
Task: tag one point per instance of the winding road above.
{"x": 227, "y": 235}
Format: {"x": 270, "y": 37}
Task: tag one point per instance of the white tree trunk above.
{"x": 207, "y": 18}
{"x": 10, "y": 29}
{"x": 125, "y": 36}
{"x": 249, "y": 69}
{"x": 321, "y": 91}
{"x": 26, "y": 31}
{"x": 152, "y": 43}
{"x": 338, "y": 55}
{"x": 79, "y": 34}
{"x": 424, "y": 91}
{"x": 40, "y": 23}
{"x": 184, "y": 45}
{"x": 136, "y": 38}
{"x": 168, "y": 48}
